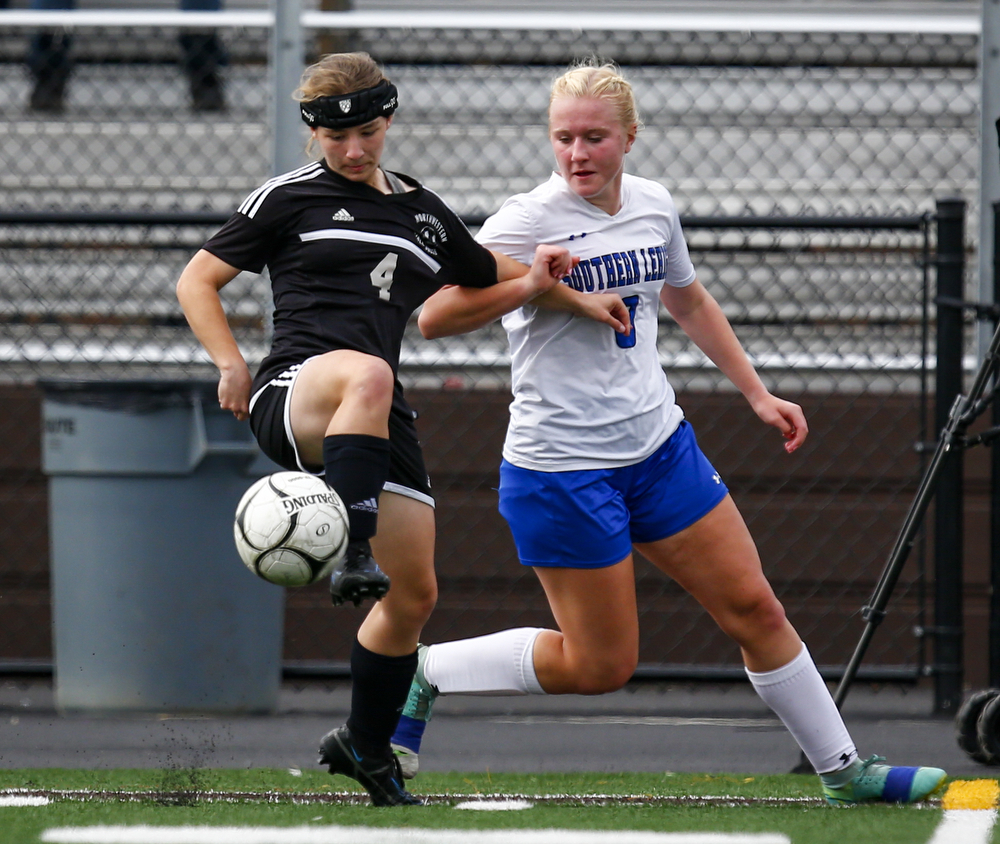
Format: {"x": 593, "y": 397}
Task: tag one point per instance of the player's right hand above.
{"x": 550, "y": 266}
{"x": 234, "y": 390}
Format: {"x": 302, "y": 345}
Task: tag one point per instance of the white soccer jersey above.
{"x": 586, "y": 397}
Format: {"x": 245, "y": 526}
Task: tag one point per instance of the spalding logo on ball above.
{"x": 291, "y": 528}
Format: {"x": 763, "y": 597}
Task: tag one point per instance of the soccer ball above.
{"x": 291, "y": 528}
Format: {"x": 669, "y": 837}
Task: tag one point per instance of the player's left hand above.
{"x": 607, "y": 308}
{"x": 786, "y": 416}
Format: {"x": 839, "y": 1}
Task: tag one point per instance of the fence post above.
{"x": 994, "y": 646}
{"x": 989, "y": 174}
{"x": 286, "y": 56}
{"x": 948, "y": 507}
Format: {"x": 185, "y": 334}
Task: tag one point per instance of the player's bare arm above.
{"x": 198, "y": 293}
{"x": 601, "y": 307}
{"x": 457, "y": 310}
{"x": 699, "y": 315}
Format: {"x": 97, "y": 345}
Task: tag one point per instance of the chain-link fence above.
{"x": 108, "y": 193}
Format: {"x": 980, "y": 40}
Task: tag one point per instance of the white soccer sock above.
{"x": 498, "y": 664}
{"x": 799, "y": 697}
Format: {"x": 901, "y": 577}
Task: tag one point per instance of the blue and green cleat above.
{"x": 413, "y": 721}
{"x": 872, "y": 782}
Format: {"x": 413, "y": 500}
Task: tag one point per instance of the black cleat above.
{"x": 380, "y": 775}
{"x": 358, "y": 576}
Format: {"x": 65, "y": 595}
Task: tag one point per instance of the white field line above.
{"x": 350, "y": 797}
{"x": 25, "y": 800}
{"x": 369, "y": 835}
{"x": 965, "y": 826}
{"x": 494, "y": 805}
{"x": 642, "y": 721}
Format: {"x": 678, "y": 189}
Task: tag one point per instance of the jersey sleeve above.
{"x": 469, "y": 264}
{"x": 680, "y": 269}
{"x": 242, "y": 243}
{"x": 254, "y": 233}
{"x": 511, "y": 232}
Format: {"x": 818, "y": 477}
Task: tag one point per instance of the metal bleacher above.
{"x": 728, "y": 140}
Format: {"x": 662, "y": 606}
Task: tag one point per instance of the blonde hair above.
{"x": 336, "y": 74}
{"x": 601, "y": 80}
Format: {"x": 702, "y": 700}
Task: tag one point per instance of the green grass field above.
{"x": 315, "y": 804}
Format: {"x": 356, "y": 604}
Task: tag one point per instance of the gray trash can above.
{"x": 152, "y": 608}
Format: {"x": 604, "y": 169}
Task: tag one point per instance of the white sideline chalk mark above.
{"x": 354, "y": 798}
{"x": 641, "y": 721}
{"x": 23, "y": 801}
{"x": 494, "y": 805}
{"x": 370, "y": 835}
{"x": 965, "y": 826}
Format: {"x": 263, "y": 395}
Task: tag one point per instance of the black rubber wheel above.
{"x": 967, "y": 724}
{"x": 988, "y": 731}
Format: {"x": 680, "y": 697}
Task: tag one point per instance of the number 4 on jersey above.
{"x": 382, "y": 275}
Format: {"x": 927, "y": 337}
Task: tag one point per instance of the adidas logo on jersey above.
{"x": 369, "y": 506}
{"x": 343, "y": 216}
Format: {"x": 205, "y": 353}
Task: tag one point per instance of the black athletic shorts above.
{"x": 270, "y": 424}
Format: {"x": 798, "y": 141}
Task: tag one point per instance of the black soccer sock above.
{"x": 357, "y": 466}
{"x": 379, "y": 687}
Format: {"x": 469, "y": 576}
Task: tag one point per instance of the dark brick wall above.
{"x": 802, "y": 511}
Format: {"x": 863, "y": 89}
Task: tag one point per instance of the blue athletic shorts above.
{"x": 590, "y": 518}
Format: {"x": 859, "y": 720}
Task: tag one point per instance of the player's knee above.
{"x": 601, "y": 676}
{"x": 770, "y": 614}
{"x": 759, "y": 617}
{"x": 372, "y": 382}
{"x": 422, "y": 603}
{"x": 410, "y": 603}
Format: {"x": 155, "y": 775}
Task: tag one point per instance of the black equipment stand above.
{"x": 953, "y": 437}
{"x": 964, "y": 411}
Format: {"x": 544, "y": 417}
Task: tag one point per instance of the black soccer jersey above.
{"x": 348, "y": 264}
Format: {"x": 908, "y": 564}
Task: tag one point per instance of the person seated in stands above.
{"x": 50, "y": 61}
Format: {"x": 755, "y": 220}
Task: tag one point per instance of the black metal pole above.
{"x": 948, "y": 509}
{"x": 874, "y": 612}
{"x": 994, "y": 643}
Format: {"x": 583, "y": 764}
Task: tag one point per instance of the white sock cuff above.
{"x": 785, "y": 674}
{"x": 527, "y": 663}
{"x": 496, "y": 664}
